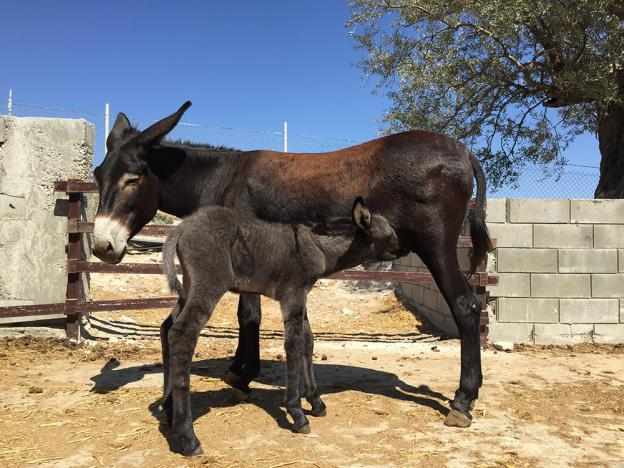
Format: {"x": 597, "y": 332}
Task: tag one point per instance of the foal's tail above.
{"x": 481, "y": 242}
{"x": 168, "y": 255}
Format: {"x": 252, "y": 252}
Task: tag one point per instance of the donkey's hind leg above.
{"x": 293, "y": 311}
{"x": 183, "y": 337}
{"x": 311, "y": 389}
{"x": 442, "y": 262}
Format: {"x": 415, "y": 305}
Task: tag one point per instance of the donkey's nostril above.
{"x": 109, "y": 247}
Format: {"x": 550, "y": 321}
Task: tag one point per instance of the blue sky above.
{"x": 246, "y": 65}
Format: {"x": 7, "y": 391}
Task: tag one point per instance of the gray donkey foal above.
{"x": 222, "y": 250}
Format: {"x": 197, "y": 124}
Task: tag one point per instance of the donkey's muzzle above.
{"x": 110, "y": 239}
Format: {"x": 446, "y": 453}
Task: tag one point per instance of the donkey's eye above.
{"x": 131, "y": 181}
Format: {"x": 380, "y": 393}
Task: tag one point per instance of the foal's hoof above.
{"x": 305, "y": 429}
{"x": 457, "y": 419}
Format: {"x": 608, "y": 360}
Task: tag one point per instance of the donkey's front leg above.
{"x": 293, "y": 310}
{"x": 246, "y": 364}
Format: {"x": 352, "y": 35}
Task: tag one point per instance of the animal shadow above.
{"x": 332, "y": 378}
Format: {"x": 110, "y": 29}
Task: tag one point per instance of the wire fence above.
{"x": 574, "y": 181}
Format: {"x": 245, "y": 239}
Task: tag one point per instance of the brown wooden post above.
{"x": 75, "y": 290}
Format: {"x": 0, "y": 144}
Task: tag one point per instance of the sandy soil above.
{"x": 385, "y": 383}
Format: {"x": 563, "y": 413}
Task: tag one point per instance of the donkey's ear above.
{"x": 156, "y": 132}
{"x": 361, "y": 215}
{"x": 120, "y": 128}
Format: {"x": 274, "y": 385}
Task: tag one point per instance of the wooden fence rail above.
{"x": 76, "y": 302}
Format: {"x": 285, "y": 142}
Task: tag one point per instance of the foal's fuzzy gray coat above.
{"x": 223, "y": 250}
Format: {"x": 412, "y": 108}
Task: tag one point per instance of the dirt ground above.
{"x": 385, "y": 383}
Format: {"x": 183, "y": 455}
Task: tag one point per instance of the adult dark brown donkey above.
{"x": 420, "y": 181}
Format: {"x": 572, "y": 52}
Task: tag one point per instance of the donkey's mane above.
{"x": 178, "y": 142}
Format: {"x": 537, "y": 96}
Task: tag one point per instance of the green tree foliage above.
{"x": 516, "y": 80}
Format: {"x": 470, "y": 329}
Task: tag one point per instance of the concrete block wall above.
{"x": 560, "y": 265}
{"x": 35, "y": 153}
{"x": 560, "y": 268}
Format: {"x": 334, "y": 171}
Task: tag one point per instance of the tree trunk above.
{"x": 611, "y": 141}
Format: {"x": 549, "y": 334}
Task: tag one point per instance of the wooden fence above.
{"x": 76, "y": 302}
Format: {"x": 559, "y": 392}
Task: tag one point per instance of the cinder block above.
{"x": 571, "y": 236}
{"x": 496, "y": 210}
{"x": 608, "y": 236}
{"x": 609, "y": 333}
{"x": 511, "y": 285}
{"x": 523, "y": 309}
{"x": 539, "y": 211}
{"x": 589, "y": 310}
{"x": 546, "y": 285}
{"x": 597, "y": 211}
{"x": 514, "y": 332}
{"x": 604, "y": 285}
{"x": 512, "y": 235}
{"x": 621, "y": 261}
{"x": 12, "y": 207}
{"x": 588, "y": 261}
{"x": 515, "y": 260}
{"x": 559, "y": 333}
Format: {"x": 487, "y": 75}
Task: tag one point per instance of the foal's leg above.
{"x": 311, "y": 389}
{"x": 164, "y": 343}
{"x": 183, "y": 337}
{"x": 246, "y": 364}
{"x": 442, "y": 263}
{"x": 293, "y": 310}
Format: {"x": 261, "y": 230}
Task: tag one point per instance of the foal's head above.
{"x": 370, "y": 234}
{"x": 128, "y": 187}
{"x": 383, "y": 239}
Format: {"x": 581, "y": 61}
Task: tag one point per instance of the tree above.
{"x": 516, "y": 80}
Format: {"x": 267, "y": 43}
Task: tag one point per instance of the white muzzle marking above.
{"x": 108, "y": 231}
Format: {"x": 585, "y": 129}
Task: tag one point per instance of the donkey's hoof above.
{"x": 240, "y": 395}
{"x": 185, "y": 445}
{"x": 232, "y": 379}
{"x": 241, "y": 390}
{"x": 457, "y": 419}
{"x": 319, "y": 410}
{"x": 305, "y": 429}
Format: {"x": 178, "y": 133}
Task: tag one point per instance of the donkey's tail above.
{"x": 481, "y": 242}
{"x": 168, "y": 255}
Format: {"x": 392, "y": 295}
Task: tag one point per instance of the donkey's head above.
{"x": 128, "y": 187}
{"x": 381, "y": 236}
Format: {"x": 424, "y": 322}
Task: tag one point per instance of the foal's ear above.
{"x": 156, "y": 132}
{"x": 120, "y": 128}
{"x": 361, "y": 215}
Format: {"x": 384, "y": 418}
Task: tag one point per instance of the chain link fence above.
{"x": 575, "y": 181}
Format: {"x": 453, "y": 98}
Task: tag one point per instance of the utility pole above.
{"x": 106, "y": 124}
{"x": 285, "y": 136}
{"x": 10, "y": 103}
